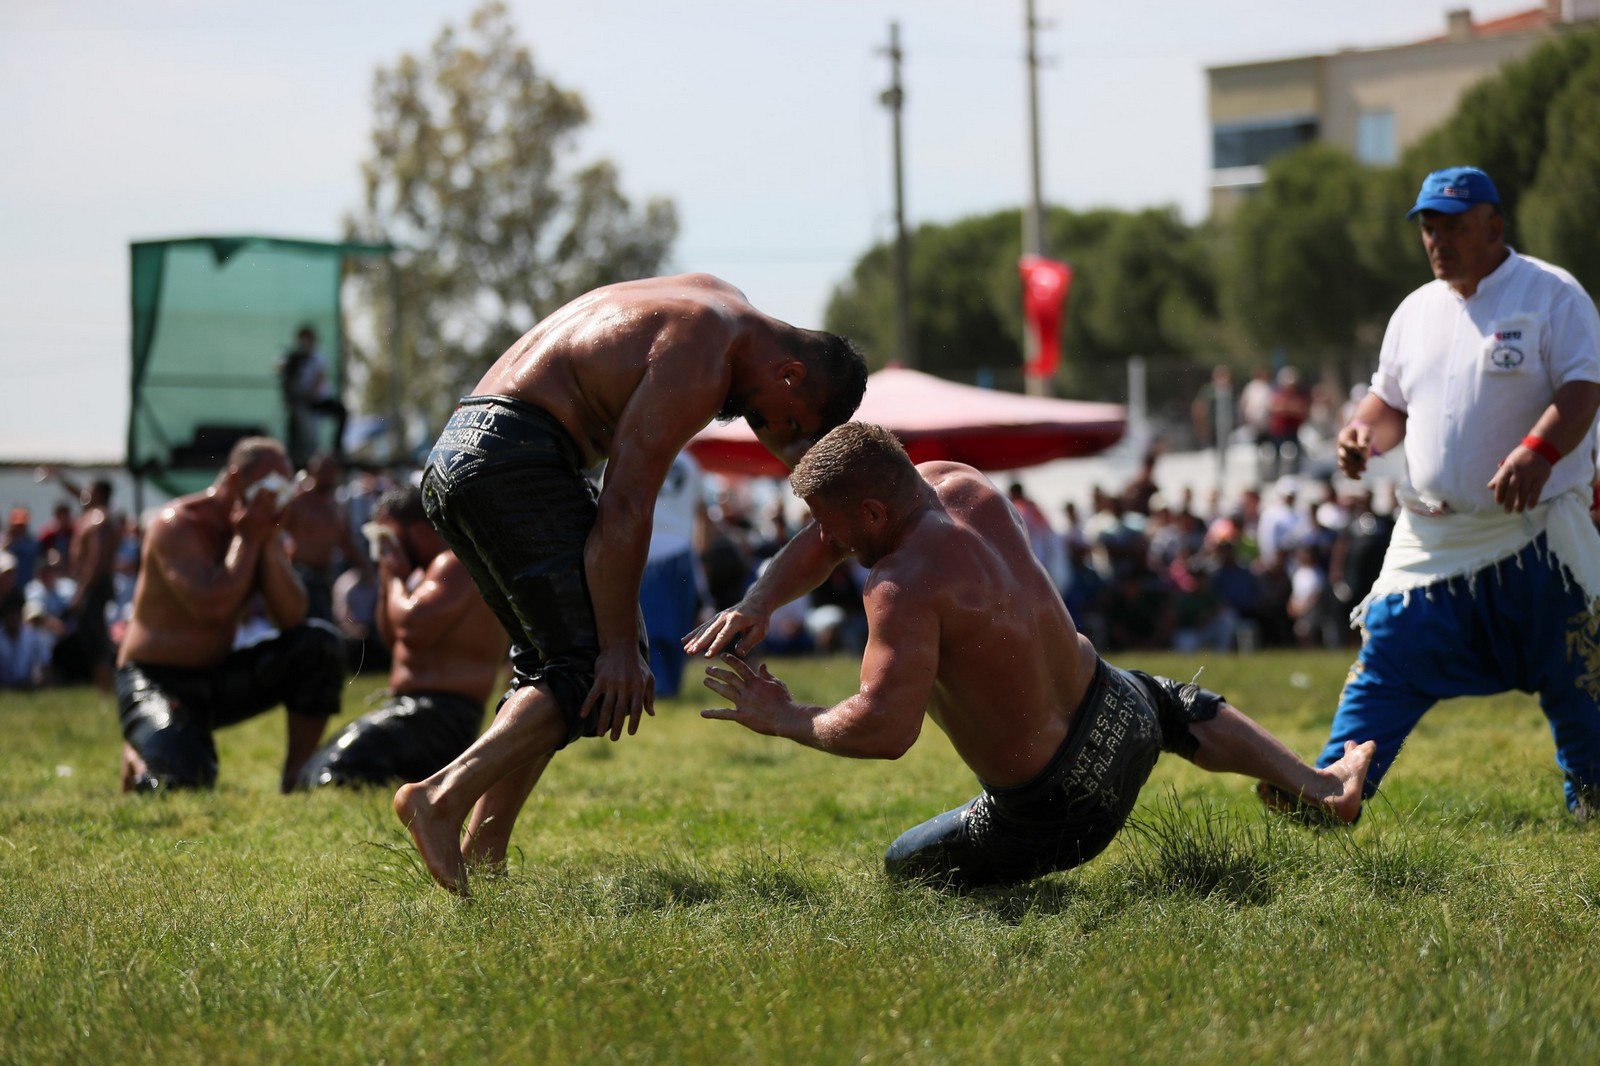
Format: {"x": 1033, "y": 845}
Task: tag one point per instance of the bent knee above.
{"x": 174, "y": 760}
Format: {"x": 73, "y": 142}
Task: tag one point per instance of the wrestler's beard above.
{"x": 735, "y": 407}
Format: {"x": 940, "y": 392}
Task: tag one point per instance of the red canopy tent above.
{"x": 938, "y": 419}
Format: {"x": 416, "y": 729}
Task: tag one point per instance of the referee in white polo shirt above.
{"x": 1489, "y": 377}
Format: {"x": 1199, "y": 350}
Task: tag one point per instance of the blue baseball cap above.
{"x": 1454, "y": 190}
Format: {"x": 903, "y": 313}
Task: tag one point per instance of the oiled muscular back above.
{"x": 1012, "y": 667}
{"x": 584, "y": 362}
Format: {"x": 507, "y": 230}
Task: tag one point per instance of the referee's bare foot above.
{"x": 437, "y": 837}
{"x": 1350, "y": 775}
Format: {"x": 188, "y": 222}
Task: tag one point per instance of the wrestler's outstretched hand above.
{"x": 760, "y": 701}
{"x": 623, "y": 688}
{"x": 740, "y": 627}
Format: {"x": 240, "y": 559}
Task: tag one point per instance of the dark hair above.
{"x": 853, "y": 461}
{"x": 838, "y": 366}
{"x": 404, "y": 504}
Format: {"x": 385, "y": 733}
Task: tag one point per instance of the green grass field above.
{"x": 700, "y": 894}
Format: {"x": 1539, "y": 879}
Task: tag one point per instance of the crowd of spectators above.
{"x": 1143, "y": 570}
{"x": 1149, "y": 567}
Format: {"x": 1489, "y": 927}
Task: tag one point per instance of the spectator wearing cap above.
{"x": 1489, "y": 379}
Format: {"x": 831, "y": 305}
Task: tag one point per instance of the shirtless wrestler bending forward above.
{"x": 965, "y": 626}
{"x": 627, "y": 373}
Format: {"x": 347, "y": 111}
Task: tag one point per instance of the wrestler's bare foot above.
{"x": 1351, "y": 773}
{"x": 436, "y": 837}
{"x": 133, "y": 768}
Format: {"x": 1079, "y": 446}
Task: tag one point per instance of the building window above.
{"x": 1375, "y": 143}
{"x": 1250, "y": 144}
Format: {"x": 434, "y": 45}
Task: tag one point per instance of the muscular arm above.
{"x": 423, "y": 616}
{"x": 285, "y": 596}
{"x": 883, "y": 719}
{"x": 1373, "y": 429}
{"x": 1565, "y": 424}
{"x": 679, "y": 393}
{"x": 800, "y": 566}
{"x": 209, "y": 591}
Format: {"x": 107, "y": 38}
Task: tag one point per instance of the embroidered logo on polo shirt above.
{"x": 1505, "y": 357}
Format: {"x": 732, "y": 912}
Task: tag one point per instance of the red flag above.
{"x": 1044, "y": 301}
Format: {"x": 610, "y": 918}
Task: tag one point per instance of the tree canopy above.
{"x": 1141, "y": 285}
{"x": 1311, "y": 265}
{"x": 470, "y": 176}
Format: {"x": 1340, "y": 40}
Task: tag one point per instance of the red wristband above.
{"x": 1542, "y": 447}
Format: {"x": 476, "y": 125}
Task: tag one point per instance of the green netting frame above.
{"x": 212, "y": 318}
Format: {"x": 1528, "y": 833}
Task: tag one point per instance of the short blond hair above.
{"x": 854, "y": 461}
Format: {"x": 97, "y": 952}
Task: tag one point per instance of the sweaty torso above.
{"x": 92, "y": 550}
{"x": 165, "y": 628}
{"x": 314, "y": 522}
{"x": 1012, "y": 666}
{"x": 584, "y": 362}
{"x": 463, "y": 653}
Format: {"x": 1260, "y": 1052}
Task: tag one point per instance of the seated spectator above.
{"x": 1307, "y": 585}
{"x": 355, "y": 612}
{"x": 788, "y": 632}
{"x": 448, "y": 651}
{"x": 1139, "y": 612}
{"x": 24, "y": 647}
{"x": 179, "y": 678}
{"x": 1236, "y": 584}
{"x": 1085, "y": 593}
{"x": 838, "y": 615}
{"x": 1272, "y": 608}
{"x": 1281, "y": 525}
{"x": 1202, "y": 619}
{"x": 51, "y": 588}
{"x": 1357, "y": 554}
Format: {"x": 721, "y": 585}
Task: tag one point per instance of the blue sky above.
{"x": 130, "y": 121}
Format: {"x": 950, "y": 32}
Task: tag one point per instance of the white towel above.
{"x": 1429, "y": 549}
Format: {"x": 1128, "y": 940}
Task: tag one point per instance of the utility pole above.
{"x": 894, "y": 98}
{"x": 1033, "y": 242}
